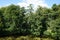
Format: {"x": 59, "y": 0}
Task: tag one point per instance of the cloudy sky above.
{"x": 25, "y": 3}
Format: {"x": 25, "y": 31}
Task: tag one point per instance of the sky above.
{"x": 25, "y": 3}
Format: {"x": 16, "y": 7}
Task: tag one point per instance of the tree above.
{"x": 30, "y": 9}
{"x": 2, "y": 24}
{"x": 14, "y": 18}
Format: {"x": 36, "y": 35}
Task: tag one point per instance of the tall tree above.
{"x": 14, "y": 18}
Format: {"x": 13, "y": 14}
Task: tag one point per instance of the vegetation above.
{"x": 18, "y": 21}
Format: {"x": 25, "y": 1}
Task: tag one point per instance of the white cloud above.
{"x": 35, "y": 3}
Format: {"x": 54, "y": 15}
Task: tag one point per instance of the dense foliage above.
{"x": 43, "y": 22}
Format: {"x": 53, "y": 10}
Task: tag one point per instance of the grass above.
{"x": 24, "y": 38}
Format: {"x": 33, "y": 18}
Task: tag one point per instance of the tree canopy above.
{"x": 43, "y": 22}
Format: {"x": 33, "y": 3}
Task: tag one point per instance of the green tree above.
{"x": 13, "y": 16}
{"x": 2, "y": 24}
